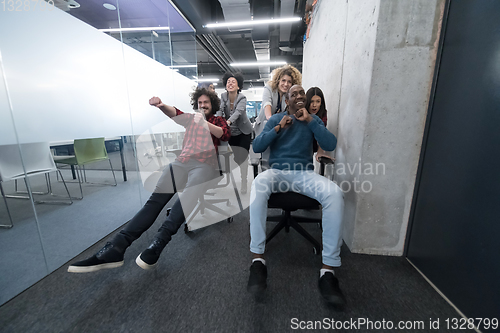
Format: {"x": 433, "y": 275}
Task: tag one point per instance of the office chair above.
{"x": 291, "y": 201}
{"x": 36, "y": 159}
{"x": 207, "y": 203}
{"x": 86, "y": 151}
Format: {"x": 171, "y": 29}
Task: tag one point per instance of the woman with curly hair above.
{"x": 273, "y": 97}
{"x": 234, "y": 108}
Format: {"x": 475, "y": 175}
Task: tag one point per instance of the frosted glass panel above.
{"x": 74, "y": 75}
{"x": 67, "y": 80}
{"x": 22, "y": 261}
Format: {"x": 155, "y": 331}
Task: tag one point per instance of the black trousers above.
{"x": 240, "y": 145}
{"x": 192, "y": 178}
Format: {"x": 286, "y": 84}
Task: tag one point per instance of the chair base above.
{"x": 286, "y": 220}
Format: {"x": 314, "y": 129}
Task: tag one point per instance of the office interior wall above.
{"x": 66, "y": 80}
{"x": 85, "y": 80}
{"x": 379, "y": 74}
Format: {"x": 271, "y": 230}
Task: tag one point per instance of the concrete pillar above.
{"x": 374, "y": 60}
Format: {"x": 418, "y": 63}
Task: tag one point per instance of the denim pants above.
{"x": 192, "y": 178}
{"x": 308, "y": 183}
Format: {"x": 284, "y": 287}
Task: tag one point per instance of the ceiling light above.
{"x": 252, "y": 22}
{"x": 109, "y": 6}
{"x": 182, "y": 66}
{"x": 206, "y": 80}
{"x": 134, "y": 29}
{"x": 257, "y": 63}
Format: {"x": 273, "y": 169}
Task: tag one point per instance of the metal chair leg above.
{"x": 113, "y": 171}
{"x": 8, "y": 211}
{"x": 47, "y": 181}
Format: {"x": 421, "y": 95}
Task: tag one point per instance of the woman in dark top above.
{"x": 315, "y": 104}
{"x": 234, "y": 108}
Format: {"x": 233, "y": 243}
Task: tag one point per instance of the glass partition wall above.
{"x": 66, "y": 84}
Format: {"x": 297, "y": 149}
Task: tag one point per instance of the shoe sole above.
{"x": 335, "y": 300}
{"x": 256, "y": 289}
{"x": 142, "y": 264}
{"x": 89, "y": 269}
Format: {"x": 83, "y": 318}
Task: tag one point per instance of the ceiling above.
{"x": 212, "y": 50}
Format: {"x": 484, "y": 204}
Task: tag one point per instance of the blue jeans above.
{"x": 308, "y": 183}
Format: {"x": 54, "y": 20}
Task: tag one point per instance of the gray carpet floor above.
{"x": 199, "y": 285}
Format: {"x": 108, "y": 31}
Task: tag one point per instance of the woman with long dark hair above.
{"x": 315, "y": 104}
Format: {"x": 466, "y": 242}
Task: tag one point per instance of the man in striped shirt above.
{"x": 190, "y": 172}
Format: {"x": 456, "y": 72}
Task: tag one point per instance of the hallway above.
{"x": 200, "y": 286}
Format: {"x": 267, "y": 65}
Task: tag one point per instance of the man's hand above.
{"x": 199, "y": 119}
{"x": 303, "y": 115}
{"x": 166, "y": 109}
{"x": 285, "y": 122}
{"x": 155, "y": 101}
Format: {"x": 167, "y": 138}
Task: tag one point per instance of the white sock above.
{"x": 324, "y": 270}
{"x": 259, "y": 259}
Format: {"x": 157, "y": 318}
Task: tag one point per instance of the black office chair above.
{"x": 205, "y": 201}
{"x": 289, "y": 202}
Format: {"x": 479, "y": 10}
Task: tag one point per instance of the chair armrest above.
{"x": 325, "y": 160}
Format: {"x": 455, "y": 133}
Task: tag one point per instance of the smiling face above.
{"x": 296, "y": 98}
{"x": 205, "y": 105}
{"x": 232, "y": 85}
{"x": 285, "y": 83}
{"x": 315, "y": 104}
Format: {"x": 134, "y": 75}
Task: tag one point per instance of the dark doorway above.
{"x": 455, "y": 226}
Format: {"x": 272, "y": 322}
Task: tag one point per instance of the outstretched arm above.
{"x": 166, "y": 109}
{"x": 267, "y": 101}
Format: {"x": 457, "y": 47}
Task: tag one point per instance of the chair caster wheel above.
{"x": 315, "y": 251}
{"x": 186, "y": 229}
{"x": 229, "y": 219}
{"x": 168, "y": 211}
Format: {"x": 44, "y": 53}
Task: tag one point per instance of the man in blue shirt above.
{"x": 290, "y": 137}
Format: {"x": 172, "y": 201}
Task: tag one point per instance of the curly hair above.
{"x": 289, "y": 70}
{"x": 315, "y": 91}
{"x": 214, "y": 99}
{"x": 238, "y": 76}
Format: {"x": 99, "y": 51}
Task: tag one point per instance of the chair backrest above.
{"x": 90, "y": 150}
{"x": 36, "y": 157}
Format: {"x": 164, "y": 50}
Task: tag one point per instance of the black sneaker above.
{"x": 148, "y": 258}
{"x": 108, "y": 257}
{"x": 258, "y": 276}
{"x": 329, "y": 288}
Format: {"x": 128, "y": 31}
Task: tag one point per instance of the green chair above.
{"x": 86, "y": 151}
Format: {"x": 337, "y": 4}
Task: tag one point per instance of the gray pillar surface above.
{"x": 374, "y": 61}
